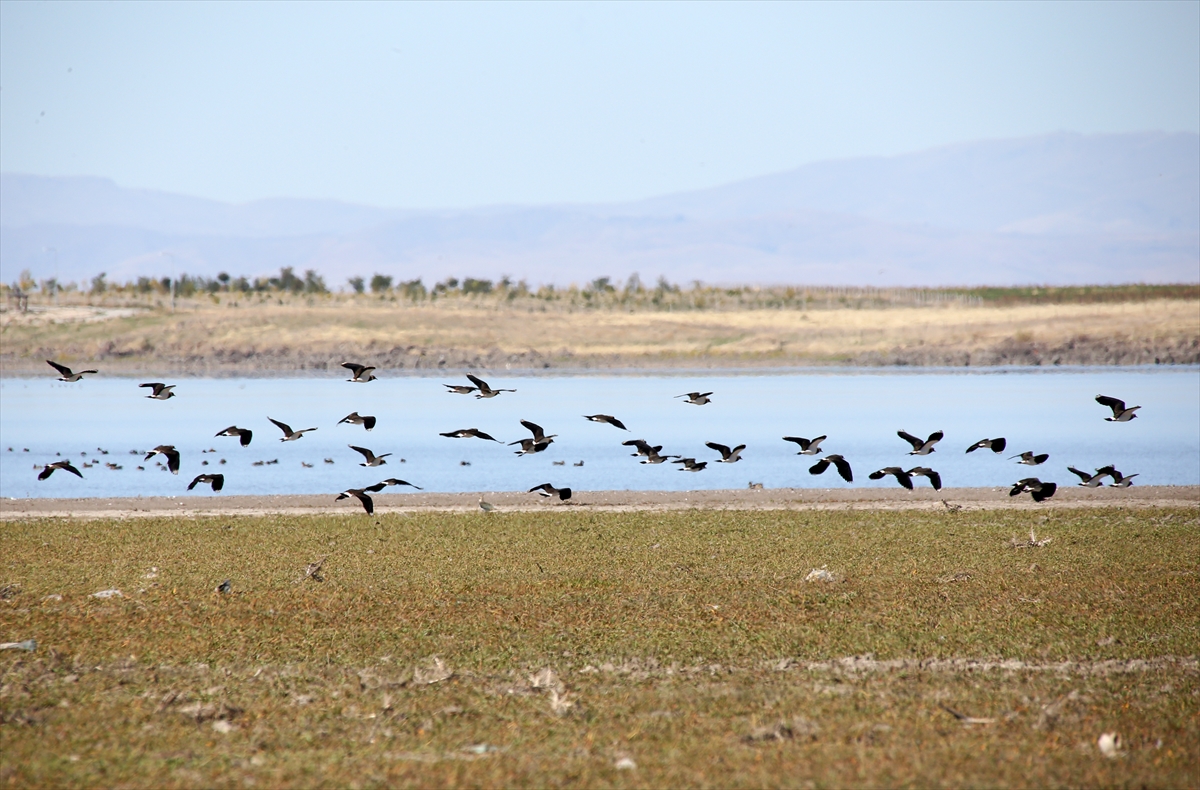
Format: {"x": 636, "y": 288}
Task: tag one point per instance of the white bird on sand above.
{"x": 1120, "y": 413}
{"x": 288, "y": 434}
{"x": 921, "y": 446}
{"x": 67, "y": 373}
{"x": 807, "y": 446}
{"x": 159, "y": 391}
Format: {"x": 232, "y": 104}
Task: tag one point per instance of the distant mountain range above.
{"x": 1057, "y": 209}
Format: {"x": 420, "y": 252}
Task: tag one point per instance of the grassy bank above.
{"x": 546, "y": 649}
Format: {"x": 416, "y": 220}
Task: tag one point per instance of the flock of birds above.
{"x": 650, "y": 454}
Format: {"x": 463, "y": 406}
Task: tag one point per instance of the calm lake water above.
{"x": 1047, "y": 411}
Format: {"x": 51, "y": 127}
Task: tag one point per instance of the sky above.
{"x": 455, "y": 105}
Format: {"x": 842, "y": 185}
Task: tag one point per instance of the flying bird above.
{"x": 1089, "y": 480}
{"x": 460, "y": 389}
{"x": 67, "y": 373}
{"x": 243, "y": 434}
{"x": 217, "y": 481}
{"x": 995, "y": 445}
{"x": 1029, "y": 459}
{"x": 1036, "y": 488}
{"x": 921, "y": 446}
{"x": 935, "y": 479}
{"x": 643, "y": 447}
{"x": 807, "y": 446}
{"x": 171, "y": 454}
{"x": 538, "y": 443}
{"x": 608, "y": 418}
{"x": 360, "y": 374}
{"x": 359, "y": 493}
{"x": 354, "y": 418}
{"x": 484, "y": 390}
{"x": 653, "y": 457}
{"x": 288, "y": 434}
{"x": 727, "y": 456}
{"x": 843, "y": 467}
{"x": 158, "y": 390}
{"x": 690, "y": 464}
{"x": 1119, "y": 480}
{"x": 902, "y": 477}
{"x": 63, "y": 465}
{"x": 469, "y": 433}
{"x": 369, "y": 457}
{"x": 391, "y": 481}
{"x": 1120, "y": 413}
{"x": 696, "y": 398}
{"x": 547, "y": 490}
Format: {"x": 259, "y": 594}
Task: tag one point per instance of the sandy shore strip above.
{"x": 604, "y": 501}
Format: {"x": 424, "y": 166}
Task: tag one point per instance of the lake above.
{"x": 1046, "y": 411}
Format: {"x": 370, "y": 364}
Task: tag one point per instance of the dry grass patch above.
{"x": 626, "y": 649}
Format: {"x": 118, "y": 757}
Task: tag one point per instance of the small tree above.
{"x": 380, "y": 284}
{"x": 357, "y": 284}
{"x": 99, "y": 286}
{"x": 314, "y": 283}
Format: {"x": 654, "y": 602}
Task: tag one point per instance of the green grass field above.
{"x": 631, "y": 649}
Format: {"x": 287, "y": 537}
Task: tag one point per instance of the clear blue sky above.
{"x": 464, "y": 104}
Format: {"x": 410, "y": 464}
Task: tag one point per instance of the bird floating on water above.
{"x": 171, "y": 454}
{"x": 548, "y": 490}
{"x": 216, "y": 481}
{"x": 728, "y": 456}
{"x": 288, "y": 434}
{"x": 354, "y": 418}
{"x": 843, "y": 467}
{"x": 63, "y": 465}
{"x": 67, "y": 373}
{"x": 995, "y": 445}
{"x": 696, "y": 398}
{"x": 807, "y": 446}
{"x": 606, "y": 418}
{"x": 158, "y": 390}
{"x": 360, "y": 374}
{"x": 1119, "y": 412}
{"x": 1029, "y": 459}
{"x": 921, "y": 446}
{"x": 244, "y": 435}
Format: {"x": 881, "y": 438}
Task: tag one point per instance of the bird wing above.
{"x": 720, "y": 448}
{"x": 481, "y": 435}
{"x": 367, "y": 503}
{"x": 283, "y": 426}
{"x": 230, "y": 431}
{"x": 978, "y": 444}
{"x": 536, "y": 429}
{"x": 218, "y": 482}
{"x": 483, "y": 386}
{"x": 1084, "y": 476}
{"x": 244, "y": 436}
{"x": 549, "y": 489}
{"x": 195, "y": 480}
{"x": 843, "y": 467}
{"x": 366, "y": 454}
{"x": 1116, "y": 404}
{"x": 908, "y": 437}
{"x": 368, "y": 422}
{"x": 936, "y": 436}
{"x": 617, "y": 423}
{"x": 351, "y": 416}
{"x": 377, "y": 487}
{"x": 172, "y": 461}
{"x": 66, "y": 371}
{"x": 999, "y": 444}
{"x": 800, "y": 440}
{"x": 1044, "y": 491}
{"x": 819, "y": 466}
{"x": 935, "y": 479}
{"x": 354, "y": 368}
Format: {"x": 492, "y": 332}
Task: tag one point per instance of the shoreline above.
{"x": 811, "y": 499}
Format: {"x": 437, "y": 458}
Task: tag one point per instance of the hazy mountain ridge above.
{"x": 1061, "y": 208}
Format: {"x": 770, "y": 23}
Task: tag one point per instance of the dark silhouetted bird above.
{"x": 921, "y": 446}
{"x": 727, "y": 456}
{"x": 1036, "y": 488}
{"x": 158, "y": 390}
{"x": 391, "y": 481}
{"x": 217, "y": 481}
{"x": 547, "y": 490}
{"x": 1029, "y": 459}
{"x": 995, "y": 445}
{"x": 1088, "y": 480}
{"x": 902, "y": 477}
{"x": 360, "y": 374}
{"x": 63, "y": 465}
{"x": 1119, "y": 412}
{"x": 807, "y": 446}
{"x": 484, "y": 390}
{"x": 935, "y": 479}
{"x": 608, "y": 418}
{"x": 354, "y": 418}
{"x": 244, "y": 435}
{"x": 690, "y": 464}
{"x": 359, "y": 493}
{"x": 67, "y": 373}
{"x": 369, "y": 457}
{"x": 696, "y": 398}
{"x": 288, "y": 434}
{"x": 171, "y": 454}
{"x": 469, "y": 433}
{"x": 843, "y": 467}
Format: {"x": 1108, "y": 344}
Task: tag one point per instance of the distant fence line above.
{"x": 600, "y": 293}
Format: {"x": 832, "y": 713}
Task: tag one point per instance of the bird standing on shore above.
{"x": 67, "y": 374}
{"x": 1119, "y": 412}
{"x": 63, "y": 465}
{"x": 807, "y": 446}
{"x": 244, "y": 435}
{"x": 921, "y": 446}
{"x": 288, "y": 434}
{"x": 158, "y": 390}
{"x": 360, "y": 374}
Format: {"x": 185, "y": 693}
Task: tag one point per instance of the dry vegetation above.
{"x": 702, "y": 327}
{"x": 632, "y": 649}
